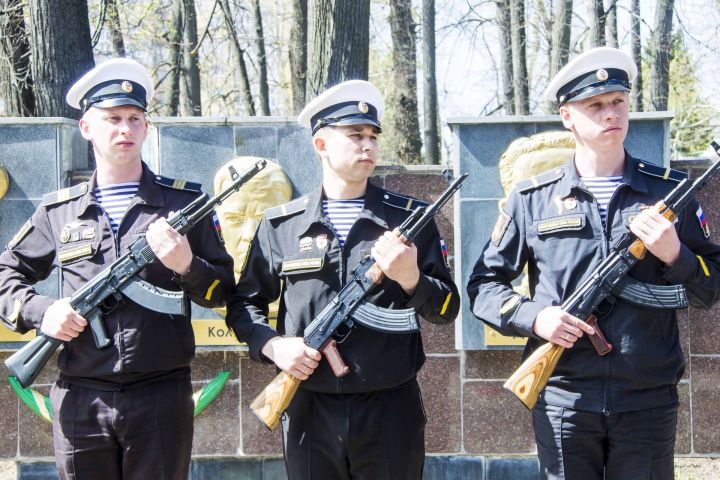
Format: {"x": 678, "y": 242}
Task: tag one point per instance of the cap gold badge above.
{"x": 126, "y": 86}
{"x": 602, "y": 75}
{"x": 363, "y": 107}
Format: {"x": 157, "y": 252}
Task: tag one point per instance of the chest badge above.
{"x": 65, "y": 234}
{"x": 570, "y": 203}
{"x": 321, "y": 241}
{"x": 306, "y": 244}
{"x": 88, "y": 233}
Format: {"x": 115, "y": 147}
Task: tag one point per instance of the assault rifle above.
{"x": 347, "y": 307}
{"x": 608, "y": 279}
{"x": 120, "y": 278}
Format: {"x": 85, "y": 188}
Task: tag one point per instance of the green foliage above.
{"x": 691, "y": 129}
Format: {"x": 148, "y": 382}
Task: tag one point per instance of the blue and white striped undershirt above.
{"x": 115, "y": 199}
{"x": 342, "y": 214}
{"x": 602, "y": 188}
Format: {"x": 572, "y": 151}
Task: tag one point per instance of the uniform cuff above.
{"x": 32, "y": 313}
{"x": 257, "y": 341}
{"x": 525, "y": 316}
{"x": 684, "y": 269}
{"x": 423, "y": 291}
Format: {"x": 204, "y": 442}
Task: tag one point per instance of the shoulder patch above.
{"x": 22, "y": 233}
{"x": 296, "y": 206}
{"x": 178, "y": 184}
{"x": 537, "y": 181}
{"x": 402, "y": 202}
{"x": 666, "y": 173}
{"x": 65, "y": 194}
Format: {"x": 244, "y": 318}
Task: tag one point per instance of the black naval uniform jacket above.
{"x": 295, "y": 255}
{"x": 70, "y": 231}
{"x": 552, "y": 224}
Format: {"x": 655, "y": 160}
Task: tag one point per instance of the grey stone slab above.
{"x": 297, "y": 158}
{"x": 512, "y": 469}
{"x": 194, "y": 153}
{"x": 444, "y": 467}
{"x": 37, "y": 471}
{"x": 259, "y": 141}
{"x": 29, "y": 156}
{"x": 251, "y": 468}
{"x": 478, "y": 218}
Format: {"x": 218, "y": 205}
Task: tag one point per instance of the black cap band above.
{"x": 593, "y": 83}
{"x": 115, "y": 93}
{"x": 346, "y": 113}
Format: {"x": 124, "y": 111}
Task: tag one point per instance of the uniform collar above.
{"x": 372, "y": 208}
{"x": 149, "y": 192}
{"x": 631, "y": 176}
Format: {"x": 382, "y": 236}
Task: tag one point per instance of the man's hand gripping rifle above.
{"x": 121, "y": 278}
{"x": 347, "y": 307}
{"x": 608, "y": 279}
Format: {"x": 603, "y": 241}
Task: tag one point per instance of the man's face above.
{"x": 600, "y": 121}
{"x": 117, "y": 133}
{"x": 348, "y": 151}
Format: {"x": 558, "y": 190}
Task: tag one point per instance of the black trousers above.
{"x": 137, "y": 434}
{"x": 573, "y": 444}
{"x": 365, "y": 436}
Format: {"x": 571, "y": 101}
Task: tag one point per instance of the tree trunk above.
{"x": 597, "y": 23}
{"x": 519, "y": 59}
{"x": 636, "y": 95}
{"x": 338, "y": 43}
{"x": 262, "y": 61}
{"x": 115, "y": 31}
{"x": 404, "y": 119}
{"x": 15, "y": 75}
{"x": 560, "y": 42}
{"x": 297, "y": 53}
{"x": 174, "y": 38}
{"x": 502, "y": 12}
{"x": 611, "y": 26}
{"x": 430, "y": 110}
{"x": 61, "y": 52}
{"x": 239, "y": 53}
{"x": 661, "y": 44}
{"x": 192, "y": 101}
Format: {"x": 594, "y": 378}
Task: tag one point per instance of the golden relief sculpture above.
{"x": 4, "y": 182}
{"x": 241, "y": 213}
{"x": 526, "y": 157}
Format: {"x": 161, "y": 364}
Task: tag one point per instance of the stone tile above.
{"x": 491, "y": 364}
{"x": 217, "y": 428}
{"x": 238, "y": 468}
{"x": 438, "y": 338}
{"x": 297, "y": 158}
{"x": 208, "y": 363}
{"x": 682, "y": 436}
{"x": 256, "y": 438}
{"x": 8, "y": 421}
{"x": 705, "y": 400}
{"x": 37, "y": 471}
{"x": 512, "y": 468}
{"x": 256, "y": 141}
{"x": 493, "y": 421}
{"x": 35, "y": 434}
{"x": 453, "y": 467}
{"x": 439, "y": 382}
{"x": 703, "y": 331}
{"x": 25, "y": 145}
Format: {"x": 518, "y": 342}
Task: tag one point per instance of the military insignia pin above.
{"x": 65, "y": 234}
{"x": 602, "y": 75}
{"x": 321, "y": 241}
{"x": 306, "y": 244}
{"x": 126, "y": 86}
{"x": 570, "y": 203}
{"x": 88, "y": 233}
{"x": 363, "y": 107}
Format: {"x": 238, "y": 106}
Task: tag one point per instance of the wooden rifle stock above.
{"x": 274, "y": 399}
{"x": 531, "y": 377}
